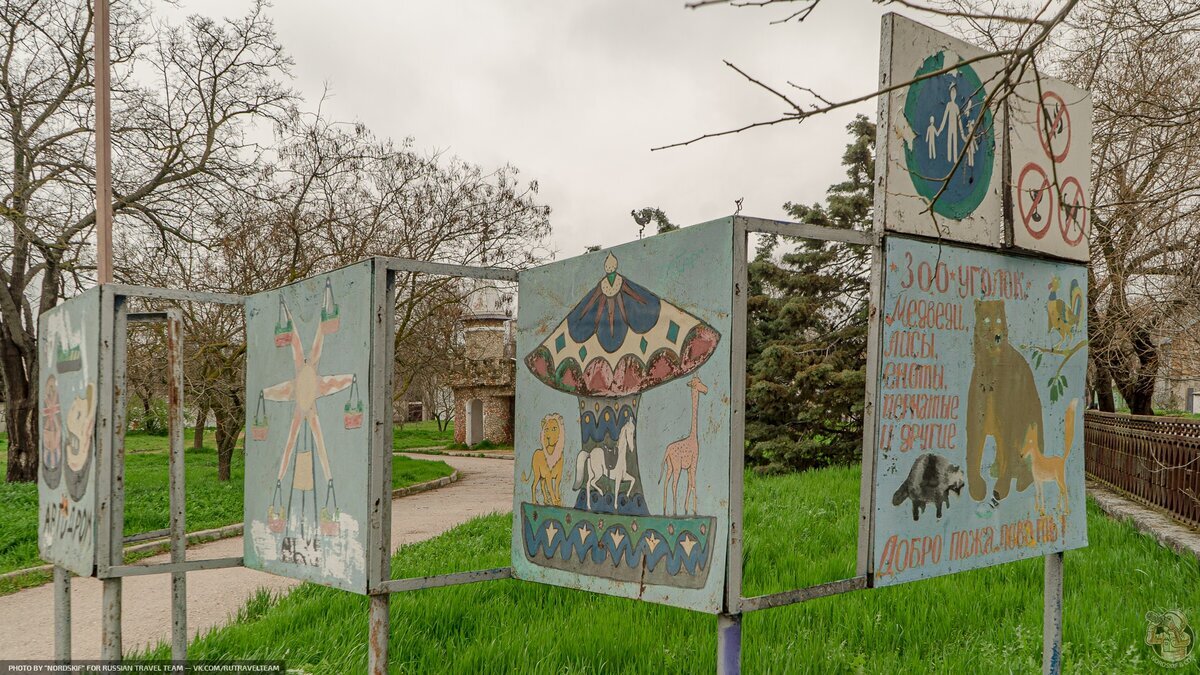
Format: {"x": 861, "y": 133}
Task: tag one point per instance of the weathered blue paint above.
{"x": 624, "y": 371}
{"x": 939, "y": 144}
{"x": 954, "y": 151}
{"x": 308, "y": 420}
{"x": 980, "y": 395}
{"x": 68, "y": 395}
{"x": 729, "y": 644}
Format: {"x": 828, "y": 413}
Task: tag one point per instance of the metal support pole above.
{"x": 1052, "y": 605}
{"x": 111, "y": 424}
{"x": 62, "y": 615}
{"x": 110, "y": 620}
{"x": 729, "y": 644}
{"x": 103, "y": 144}
{"x": 729, "y": 622}
{"x": 377, "y": 652}
{"x": 179, "y": 634}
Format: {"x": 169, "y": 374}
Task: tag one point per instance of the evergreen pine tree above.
{"x": 807, "y": 329}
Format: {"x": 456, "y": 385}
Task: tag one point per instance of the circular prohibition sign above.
{"x": 1054, "y": 121}
{"x": 1034, "y": 189}
{"x": 1073, "y": 212}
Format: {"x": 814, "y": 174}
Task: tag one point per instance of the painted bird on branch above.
{"x": 1064, "y": 316}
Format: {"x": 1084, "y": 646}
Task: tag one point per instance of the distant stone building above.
{"x": 483, "y": 381}
{"x": 1178, "y": 386}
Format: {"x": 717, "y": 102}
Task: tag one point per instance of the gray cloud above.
{"x": 576, "y": 93}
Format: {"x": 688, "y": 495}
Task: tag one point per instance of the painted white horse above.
{"x": 589, "y": 468}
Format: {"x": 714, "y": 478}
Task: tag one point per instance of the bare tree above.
{"x": 145, "y": 377}
{"x": 1139, "y": 59}
{"x": 427, "y": 349}
{"x": 1030, "y": 33}
{"x": 181, "y": 98}
{"x": 329, "y": 195}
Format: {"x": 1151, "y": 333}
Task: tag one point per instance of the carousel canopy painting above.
{"x": 623, "y": 419}
{"x": 308, "y": 368}
{"x": 68, "y": 393}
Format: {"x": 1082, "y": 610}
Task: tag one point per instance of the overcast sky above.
{"x": 576, "y": 93}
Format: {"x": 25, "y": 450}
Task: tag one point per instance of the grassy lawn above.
{"x": 210, "y": 503}
{"x": 421, "y": 435}
{"x": 426, "y": 435}
{"x": 800, "y": 531}
{"x": 1178, "y": 413}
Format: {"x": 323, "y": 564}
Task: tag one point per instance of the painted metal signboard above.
{"x": 1050, "y": 128}
{"x": 623, "y": 419}
{"x": 68, "y": 394}
{"x": 308, "y": 447}
{"x": 941, "y": 138}
{"x": 979, "y": 428}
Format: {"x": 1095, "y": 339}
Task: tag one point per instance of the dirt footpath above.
{"x": 214, "y": 596}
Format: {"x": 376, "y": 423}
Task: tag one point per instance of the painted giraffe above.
{"x": 683, "y": 454}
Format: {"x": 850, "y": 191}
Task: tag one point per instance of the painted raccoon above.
{"x": 931, "y": 479}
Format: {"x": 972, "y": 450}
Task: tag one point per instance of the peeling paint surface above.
{"x": 981, "y": 393}
{"x": 1050, "y": 127}
{"x": 942, "y": 140}
{"x": 68, "y": 392}
{"x": 623, "y": 419}
{"x": 308, "y": 371}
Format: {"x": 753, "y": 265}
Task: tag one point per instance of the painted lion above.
{"x": 547, "y": 464}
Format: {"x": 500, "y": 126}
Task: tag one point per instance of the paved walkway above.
{"x": 214, "y": 596}
{"x": 1168, "y": 531}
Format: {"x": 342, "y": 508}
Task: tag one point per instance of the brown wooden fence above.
{"x": 1154, "y": 459}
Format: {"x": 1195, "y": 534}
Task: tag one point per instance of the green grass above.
{"x": 421, "y": 435}
{"x": 1178, "y": 413}
{"x": 482, "y": 446}
{"x": 800, "y": 530}
{"x": 210, "y": 503}
{"x": 408, "y": 471}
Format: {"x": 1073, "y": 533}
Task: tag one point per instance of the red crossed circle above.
{"x": 1073, "y": 225}
{"x": 1033, "y": 187}
{"x": 1061, "y": 114}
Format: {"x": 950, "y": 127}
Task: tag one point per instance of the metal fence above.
{"x": 1154, "y": 459}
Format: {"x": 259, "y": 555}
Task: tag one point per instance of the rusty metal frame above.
{"x": 110, "y": 471}
{"x": 729, "y": 621}
{"x": 439, "y": 580}
{"x": 381, "y": 390}
{"x": 379, "y": 584}
{"x": 115, "y": 317}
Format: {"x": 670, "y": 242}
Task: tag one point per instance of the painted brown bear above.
{"x": 1002, "y": 403}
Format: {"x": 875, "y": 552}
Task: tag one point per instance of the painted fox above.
{"x": 1046, "y": 469}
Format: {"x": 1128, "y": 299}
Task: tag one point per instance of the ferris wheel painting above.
{"x": 307, "y": 453}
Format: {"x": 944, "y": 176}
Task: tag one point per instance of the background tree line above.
{"x": 808, "y": 300}
{"x": 223, "y": 181}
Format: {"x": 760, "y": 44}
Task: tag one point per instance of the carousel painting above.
{"x": 307, "y": 453}
{"x": 68, "y": 346}
{"x": 623, "y": 411}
